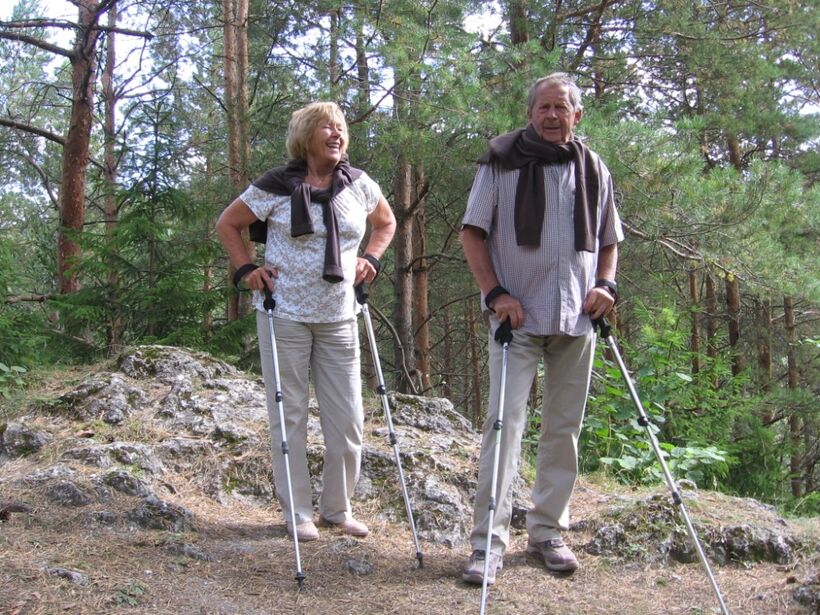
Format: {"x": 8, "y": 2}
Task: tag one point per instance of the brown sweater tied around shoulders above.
{"x": 523, "y": 149}
{"x": 289, "y": 180}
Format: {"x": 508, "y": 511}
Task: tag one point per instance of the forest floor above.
{"x": 251, "y": 567}
{"x": 240, "y": 561}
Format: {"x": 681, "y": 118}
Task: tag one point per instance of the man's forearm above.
{"x": 478, "y": 258}
{"x": 607, "y": 262}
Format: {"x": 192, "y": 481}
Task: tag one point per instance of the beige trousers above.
{"x": 567, "y": 371}
{"x": 330, "y": 352}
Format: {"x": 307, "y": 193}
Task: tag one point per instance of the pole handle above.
{"x": 503, "y": 335}
{"x": 361, "y": 293}
{"x": 603, "y": 324}
{"x": 269, "y": 303}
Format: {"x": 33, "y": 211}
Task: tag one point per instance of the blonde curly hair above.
{"x": 305, "y": 120}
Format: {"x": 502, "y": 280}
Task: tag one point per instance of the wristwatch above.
{"x": 610, "y": 286}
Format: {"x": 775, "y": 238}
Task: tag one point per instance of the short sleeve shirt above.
{"x": 300, "y": 292}
{"x": 552, "y": 279}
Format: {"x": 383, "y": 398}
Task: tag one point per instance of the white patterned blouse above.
{"x": 300, "y": 292}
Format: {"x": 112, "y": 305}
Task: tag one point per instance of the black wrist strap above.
{"x": 377, "y": 265}
{"x": 494, "y": 294}
{"x": 242, "y": 272}
{"x": 610, "y": 286}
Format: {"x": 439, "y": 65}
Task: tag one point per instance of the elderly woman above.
{"x": 316, "y": 210}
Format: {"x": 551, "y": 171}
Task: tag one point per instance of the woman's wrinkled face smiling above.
{"x": 328, "y": 143}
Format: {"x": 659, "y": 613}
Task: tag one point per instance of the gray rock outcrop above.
{"x": 121, "y": 446}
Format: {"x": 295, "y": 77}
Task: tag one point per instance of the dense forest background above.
{"x": 127, "y": 125}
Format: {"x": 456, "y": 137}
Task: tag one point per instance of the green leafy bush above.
{"x": 691, "y": 417}
{"x": 11, "y": 377}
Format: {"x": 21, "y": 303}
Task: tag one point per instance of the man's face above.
{"x": 552, "y": 114}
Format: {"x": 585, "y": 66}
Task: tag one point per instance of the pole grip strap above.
{"x": 242, "y": 272}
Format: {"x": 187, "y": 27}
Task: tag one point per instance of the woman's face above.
{"x": 328, "y": 143}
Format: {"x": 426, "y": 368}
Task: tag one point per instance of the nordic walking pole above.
{"x": 504, "y": 336}
{"x": 269, "y": 303}
{"x": 361, "y": 297}
{"x": 606, "y": 333}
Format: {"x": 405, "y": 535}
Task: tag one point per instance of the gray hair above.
{"x": 559, "y": 79}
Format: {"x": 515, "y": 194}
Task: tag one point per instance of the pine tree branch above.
{"x": 34, "y": 41}
{"x": 679, "y": 249}
{"x": 43, "y": 176}
{"x": 25, "y": 298}
{"x": 32, "y": 130}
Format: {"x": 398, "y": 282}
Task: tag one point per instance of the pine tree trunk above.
{"x": 712, "y": 324}
{"x": 208, "y": 271}
{"x": 795, "y": 460}
{"x": 535, "y": 397}
{"x": 403, "y": 276}
{"x": 114, "y": 326}
{"x": 694, "y": 298}
{"x": 448, "y": 368}
{"x": 735, "y": 155}
{"x": 517, "y": 17}
{"x": 333, "y": 59}
{"x": 243, "y": 105}
{"x": 421, "y": 308}
{"x": 76, "y": 149}
{"x": 764, "y": 342}
{"x": 733, "y": 308}
{"x": 236, "y": 103}
{"x": 764, "y": 350}
{"x": 231, "y": 88}
{"x": 362, "y": 69}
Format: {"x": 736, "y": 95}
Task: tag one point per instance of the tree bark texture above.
{"x": 403, "y": 275}
{"x": 795, "y": 428}
{"x": 235, "y": 32}
{"x": 764, "y": 342}
{"x": 712, "y": 322}
{"x": 519, "y": 26}
{"x": 83, "y": 59}
{"x": 694, "y": 298}
{"x": 733, "y": 308}
{"x": 334, "y": 66}
{"x": 421, "y": 307}
{"x": 447, "y": 358}
{"x": 110, "y": 207}
{"x": 362, "y": 71}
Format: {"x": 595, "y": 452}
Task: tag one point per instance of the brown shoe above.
{"x": 351, "y": 527}
{"x": 474, "y": 570}
{"x": 305, "y": 532}
{"x": 555, "y": 555}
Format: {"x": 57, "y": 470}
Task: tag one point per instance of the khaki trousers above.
{"x": 330, "y": 352}
{"x": 567, "y": 371}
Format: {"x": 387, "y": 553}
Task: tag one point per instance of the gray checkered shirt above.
{"x": 550, "y": 280}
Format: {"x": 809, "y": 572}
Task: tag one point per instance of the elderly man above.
{"x": 541, "y": 237}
